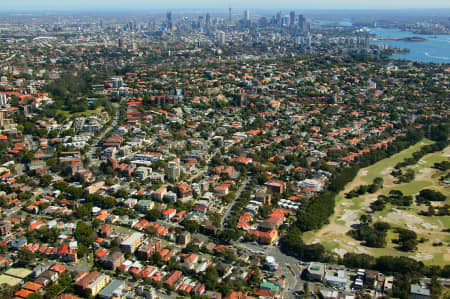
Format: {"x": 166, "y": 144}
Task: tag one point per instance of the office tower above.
{"x": 229, "y": 14}
{"x": 292, "y": 18}
{"x": 131, "y": 26}
{"x": 221, "y": 37}
{"x": 169, "y": 20}
{"x": 247, "y": 15}
{"x": 208, "y": 20}
{"x": 308, "y": 39}
{"x": 278, "y": 18}
{"x": 302, "y": 24}
{"x": 121, "y": 43}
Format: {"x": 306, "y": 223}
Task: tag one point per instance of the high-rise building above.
{"x": 302, "y": 23}
{"x": 121, "y": 43}
{"x": 247, "y": 15}
{"x": 229, "y": 14}
{"x": 221, "y": 37}
{"x": 173, "y": 171}
{"x": 208, "y": 20}
{"x": 292, "y": 18}
{"x": 169, "y": 20}
{"x": 278, "y": 18}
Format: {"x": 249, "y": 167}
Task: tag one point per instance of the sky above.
{"x": 219, "y": 4}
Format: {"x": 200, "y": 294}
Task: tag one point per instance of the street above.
{"x": 231, "y": 205}
{"x": 96, "y": 141}
{"x": 293, "y": 282}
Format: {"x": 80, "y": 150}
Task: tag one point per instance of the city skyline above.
{"x": 202, "y": 4}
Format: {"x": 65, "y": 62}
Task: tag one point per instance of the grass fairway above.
{"x": 348, "y": 211}
{"x": 381, "y": 168}
{"x": 86, "y": 113}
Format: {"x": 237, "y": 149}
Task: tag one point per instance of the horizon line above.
{"x": 128, "y": 9}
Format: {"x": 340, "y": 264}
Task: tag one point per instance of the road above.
{"x": 204, "y": 169}
{"x": 293, "y": 281}
{"x": 231, "y": 205}
{"x": 96, "y": 142}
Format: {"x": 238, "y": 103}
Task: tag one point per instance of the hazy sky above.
{"x": 269, "y": 4}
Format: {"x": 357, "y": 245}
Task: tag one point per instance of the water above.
{"x": 436, "y": 49}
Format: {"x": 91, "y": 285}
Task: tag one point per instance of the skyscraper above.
{"x": 302, "y": 24}
{"x": 221, "y": 37}
{"x": 247, "y": 15}
{"x": 292, "y": 18}
{"x": 208, "y": 20}
{"x": 169, "y": 20}
{"x": 121, "y": 43}
{"x": 278, "y": 18}
{"x": 229, "y": 14}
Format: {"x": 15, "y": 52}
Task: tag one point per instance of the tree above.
{"x": 191, "y": 226}
{"x": 82, "y": 250}
{"x": 354, "y": 260}
{"x": 435, "y": 287}
{"x": 427, "y": 195}
{"x": 84, "y": 234}
{"x": 229, "y": 234}
{"x": 306, "y": 288}
{"x": 53, "y": 290}
{"x": 407, "y": 239}
{"x": 7, "y": 292}
{"x": 45, "y": 180}
{"x": 215, "y": 218}
{"x": 26, "y": 256}
{"x": 84, "y": 210}
{"x": 153, "y": 215}
{"x": 313, "y": 214}
{"x": 210, "y": 278}
{"x": 365, "y": 219}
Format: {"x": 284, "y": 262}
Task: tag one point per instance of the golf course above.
{"x": 431, "y": 230}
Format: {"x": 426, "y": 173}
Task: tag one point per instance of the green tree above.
{"x": 191, "y": 226}
{"x": 153, "y": 215}
{"x": 45, "y": 180}
{"x": 84, "y": 234}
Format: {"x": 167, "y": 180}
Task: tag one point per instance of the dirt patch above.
{"x": 402, "y": 217}
{"x": 361, "y": 249}
{"x": 340, "y": 251}
{"x": 420, "y": 256}
{"x": 430, "y": 226}
{"x": 424, "y": 174}
{"x": 350, "y": 217}
{"x": 387, "y": 171}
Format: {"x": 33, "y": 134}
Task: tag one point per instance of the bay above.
{"x": 435, "y": 49}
